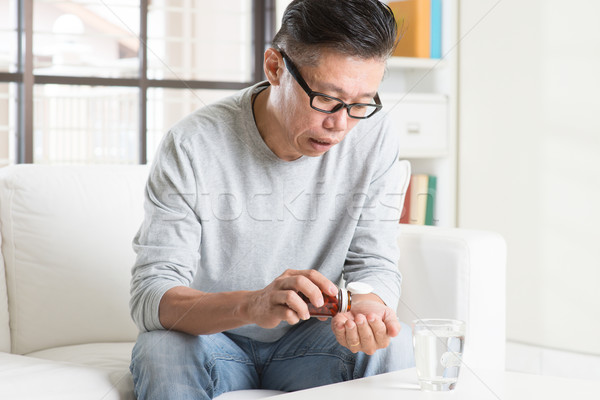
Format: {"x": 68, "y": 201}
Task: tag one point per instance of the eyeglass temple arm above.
{"x": 295, "y": 73}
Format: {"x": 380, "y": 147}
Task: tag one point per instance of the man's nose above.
{"x": 338, "y": 121}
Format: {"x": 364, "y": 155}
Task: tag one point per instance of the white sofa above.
{"x": 65, "y": 330}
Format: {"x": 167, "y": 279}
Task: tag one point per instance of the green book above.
{"x": 431, "y": 189}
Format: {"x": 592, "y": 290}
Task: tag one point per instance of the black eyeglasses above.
{"x": 329, "y": 104}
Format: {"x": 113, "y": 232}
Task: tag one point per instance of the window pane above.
{"x": 85, "y": 124}
{"x": 280, "y": 6}
{"x": 86, "y": 37}
{"x": 200, "y": 40}
{"x": 8, "y": 36}
{"x": 167, "y": 106}
{"x": 8, "y": 122}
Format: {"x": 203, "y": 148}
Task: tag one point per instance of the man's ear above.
{"x": 273, "y": 66}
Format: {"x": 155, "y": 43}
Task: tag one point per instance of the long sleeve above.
{"x": 167, "y": 244}
{"x": 373, "y": 253}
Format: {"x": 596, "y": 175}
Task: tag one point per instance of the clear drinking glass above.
{"x": 438, "y": 347}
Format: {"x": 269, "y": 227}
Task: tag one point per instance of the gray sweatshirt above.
{"x": 224, "y": 213}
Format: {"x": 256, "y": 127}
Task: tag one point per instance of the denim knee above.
{"x": 175, "y": 365}
{"x": 162, "y": 366}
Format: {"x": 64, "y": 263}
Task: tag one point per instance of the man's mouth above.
{"x": 324, "y": 142}
{"x": 321, "y": 145}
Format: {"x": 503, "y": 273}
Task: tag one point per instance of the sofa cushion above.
{"x": 110, "y": 359}
{"x": 114, "y": 357}
{"x": 29, "y": 378}
{"x": 66, "y": 244}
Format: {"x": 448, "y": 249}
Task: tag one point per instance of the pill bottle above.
{"x": 340, "y": 303}
{"x": 332, "y": 304}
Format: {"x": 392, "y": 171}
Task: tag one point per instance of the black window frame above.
{"x": 263, "y": 25}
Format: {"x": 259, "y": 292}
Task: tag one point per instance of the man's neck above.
{"x": 269, "y": 127}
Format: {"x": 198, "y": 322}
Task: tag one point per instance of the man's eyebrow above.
{"x": 341, "y": 92}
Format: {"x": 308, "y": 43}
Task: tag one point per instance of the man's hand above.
{"x": 280, "y": 301}
{"x": 367, "y": 327}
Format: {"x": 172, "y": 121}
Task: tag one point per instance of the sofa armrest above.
{"x": 457, "y": 273}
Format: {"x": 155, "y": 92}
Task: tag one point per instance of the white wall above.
{"x": 529, "y": 159}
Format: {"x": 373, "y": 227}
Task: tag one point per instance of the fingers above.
{"x": 381, "y": 335}
{"x": 311, "y": 283}
{"x": 293, "y": 303}
{"x": 338, "y": 325}
{"x": 362, "y": 333}
{"x": 357, "y": 337}
{"x": 392, "y": 325}
{"x": 284, "y": 292}
{"x": 282, "y": 298}
{"x": 346, "y": 330}
{"x": 323, "y": 284}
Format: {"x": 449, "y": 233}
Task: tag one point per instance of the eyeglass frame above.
{"x": 293, "y": 70}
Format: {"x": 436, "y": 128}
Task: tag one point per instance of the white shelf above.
{"x": 424, "y": 154}
{"x": 421, "y": 96}
{"x": 415, "y": 63}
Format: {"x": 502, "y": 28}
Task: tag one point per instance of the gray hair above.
{"x": 359, "y": 28}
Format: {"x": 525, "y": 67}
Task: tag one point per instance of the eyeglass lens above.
{"x": 329, "y": 104}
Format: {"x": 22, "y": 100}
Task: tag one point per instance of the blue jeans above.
{"x": 174, "y": 365}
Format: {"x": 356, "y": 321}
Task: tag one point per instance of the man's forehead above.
{"x": 331, "y": 87}
{"x": 324, "y": 77}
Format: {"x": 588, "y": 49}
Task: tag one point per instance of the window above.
{"x": 101, "y": 81}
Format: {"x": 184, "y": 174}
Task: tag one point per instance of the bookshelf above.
{"x": 420, "y": 95}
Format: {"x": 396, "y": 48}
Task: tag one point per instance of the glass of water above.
{"x": 438, "y": 347}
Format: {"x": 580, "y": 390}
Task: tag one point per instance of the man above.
{"x": 287, "y": 187}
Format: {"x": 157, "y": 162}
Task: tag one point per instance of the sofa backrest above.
{"x": 4, "y": 317}
{"x": 66, "y": 248}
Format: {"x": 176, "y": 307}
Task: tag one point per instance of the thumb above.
{"x": 391, "y": 323}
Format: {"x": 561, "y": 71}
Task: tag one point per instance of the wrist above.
{"x": 242, "y": 310}
{"x": 359, "y": 298}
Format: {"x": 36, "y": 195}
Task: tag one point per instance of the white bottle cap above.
{"x": 359, "y": 288}
{"x": 343, "y": 300}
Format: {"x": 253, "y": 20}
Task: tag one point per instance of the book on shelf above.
{"x": 431, "y": 189}
{"x": 419, "y": 201}
{"x": 436, "y": 29}
{"x": 420, "y": 28}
